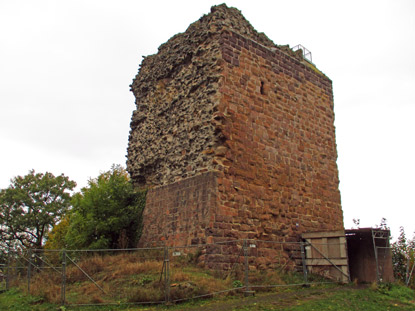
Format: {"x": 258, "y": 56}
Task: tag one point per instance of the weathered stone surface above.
{"x": 180, "y": 213}
{"x": 222, "y": 110}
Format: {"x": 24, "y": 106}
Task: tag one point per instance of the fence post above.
{"x": 29, "y": 268}
{"x": 63, "y": 290}
{"x": 304, "y": 262}
{"x": 408, "y": 279}
{"x": 166, "y": 275}
{"x": 245, "y": 247}
{"x": 8, "y": 270}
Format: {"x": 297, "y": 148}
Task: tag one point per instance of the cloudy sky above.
{"x": 66, "y": 67}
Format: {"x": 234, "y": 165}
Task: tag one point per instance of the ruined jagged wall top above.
{"x": 181, "y": 47}
{"x": 173, "y": 129}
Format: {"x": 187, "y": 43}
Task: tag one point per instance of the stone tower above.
{"x": 234, "y": 137}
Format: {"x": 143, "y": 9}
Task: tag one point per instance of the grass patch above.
{"x": 345, "y": 299}
{"x": 319, "y": 298}
{"x": 18, "y": 301}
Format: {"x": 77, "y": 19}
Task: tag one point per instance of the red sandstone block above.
{"x": 244, "y": 227}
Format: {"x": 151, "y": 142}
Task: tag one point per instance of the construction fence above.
{"x": 163, "y": 274}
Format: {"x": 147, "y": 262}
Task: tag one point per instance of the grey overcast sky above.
{"x": 66, "y": 67}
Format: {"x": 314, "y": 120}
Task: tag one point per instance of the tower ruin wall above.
{"x": 235, "y": 138}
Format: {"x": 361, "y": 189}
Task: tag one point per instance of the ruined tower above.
{"x": 234, "y": 138}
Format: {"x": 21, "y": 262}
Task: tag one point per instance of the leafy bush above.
{"x": 106, "y": 214}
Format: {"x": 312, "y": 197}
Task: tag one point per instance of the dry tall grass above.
{"x": 132, "y": 277}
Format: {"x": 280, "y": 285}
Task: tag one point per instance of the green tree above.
{"x": 107, "y": 213}
{"x": 30, "y": 206}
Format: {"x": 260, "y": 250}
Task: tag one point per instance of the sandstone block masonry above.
{"x": 234, "y": 137}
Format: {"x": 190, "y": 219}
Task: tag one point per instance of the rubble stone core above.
{"x": 234, "y": 137}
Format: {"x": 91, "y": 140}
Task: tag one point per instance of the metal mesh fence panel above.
{"x": 205, "y": 270}
{"x": 273, "y": 264}
{"x": 108, "y": 276}
{"x": 158, "y": 275}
